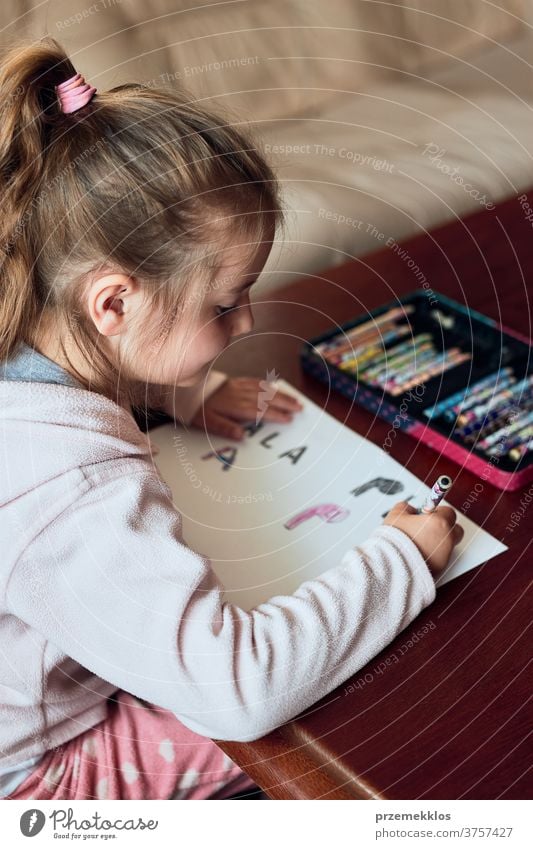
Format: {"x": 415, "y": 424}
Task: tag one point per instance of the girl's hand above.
{"x": 435, "y": 534}
{"x": 242, "y": 399}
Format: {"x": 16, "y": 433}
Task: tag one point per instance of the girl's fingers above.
{"x": 402, "y": 507}
{"x": 249, "y": 414}
{"x": 286, "y": 402}
{"x": 273, "y": 414}
{"x": 458, "y": 533}
{"x": 223, "y": 426}
{"x": 449, "y": 514}
{"x": 280, "y": 408}
{"x": 246, "y": 403}
{"x": 250, "y": 392}
{"x": 280, "y": 400}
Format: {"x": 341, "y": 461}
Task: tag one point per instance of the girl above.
{"x": 133, "y": 226}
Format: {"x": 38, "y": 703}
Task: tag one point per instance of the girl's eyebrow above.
{"x": 236, "y": 289}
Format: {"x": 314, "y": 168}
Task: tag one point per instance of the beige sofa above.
{"x": 383, "y": 119}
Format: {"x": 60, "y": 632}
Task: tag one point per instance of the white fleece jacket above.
{"x": 99, "y": 591}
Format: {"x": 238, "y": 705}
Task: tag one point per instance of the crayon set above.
{"x": 375, "y": 354}
{"x": 445, "y": 374}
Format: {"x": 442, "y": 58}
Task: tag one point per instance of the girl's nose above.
{"x": 243, "y": 321}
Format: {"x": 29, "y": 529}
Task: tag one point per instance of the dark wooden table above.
{"x": 451, "y": 717}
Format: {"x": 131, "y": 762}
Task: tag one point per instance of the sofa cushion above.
{"x": 391, "y": 163}
{"x": 267, "y": 59}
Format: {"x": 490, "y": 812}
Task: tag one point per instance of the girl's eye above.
{"x": 223, "y": 310}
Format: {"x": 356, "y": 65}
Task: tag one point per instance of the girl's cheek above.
{"x": 212, "y": 339}
{"x": 218, "y": 340}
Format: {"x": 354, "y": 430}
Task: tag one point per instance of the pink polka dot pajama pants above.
{"x": 138, "y": 752}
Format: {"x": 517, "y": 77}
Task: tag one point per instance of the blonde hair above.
{"x": 133, "y": 181}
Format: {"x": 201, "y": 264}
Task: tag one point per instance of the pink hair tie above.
{"x": 74, "y": 93}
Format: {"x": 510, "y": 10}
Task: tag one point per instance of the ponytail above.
{"x": 28, "y": 108}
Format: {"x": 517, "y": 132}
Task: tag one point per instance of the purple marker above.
{"x": 438, "y": 491}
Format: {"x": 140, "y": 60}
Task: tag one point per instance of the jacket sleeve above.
{"x": 182, "y": 402}
{"x": 111, "y": 582}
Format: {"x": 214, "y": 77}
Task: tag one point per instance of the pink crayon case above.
{"x": 443, "y": 373}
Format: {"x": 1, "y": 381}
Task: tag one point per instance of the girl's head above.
{"x": 127, "y": 226}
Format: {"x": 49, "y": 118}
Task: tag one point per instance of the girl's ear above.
{"x": 110, "y": 302}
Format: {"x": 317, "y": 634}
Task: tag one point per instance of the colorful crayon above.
{"x": 438, "y": 368}
{"x": 498, "y": 400}
{"x": 491, "y": 418}
{"x": 417, "y": 364}
{"x": 392, "y": 357}
{"x": 381, "y": 337}
{"x": 355, "y": 332}
{"x": 476, "y": 398}
{"x": 378, "y": 343}
{"x": 516, "y": 440}
{"x": 454, "y": 403}
{"x": 373, "y": 358}
{"x": 351, "y": 345}
{"x": 517, "y": 425}
{"x": 401, "y": 368}
{"x": 520, "y": 451}
{"x": 493, "y": 421}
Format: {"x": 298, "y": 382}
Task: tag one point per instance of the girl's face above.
{"x": 219, "y": 313}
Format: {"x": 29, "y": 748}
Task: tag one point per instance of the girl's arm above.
{"x": 111, "y": 583}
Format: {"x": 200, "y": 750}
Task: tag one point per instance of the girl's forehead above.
{"x": 238, "y": 261}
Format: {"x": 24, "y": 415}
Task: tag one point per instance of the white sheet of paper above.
{"x": 236, "y": 513}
